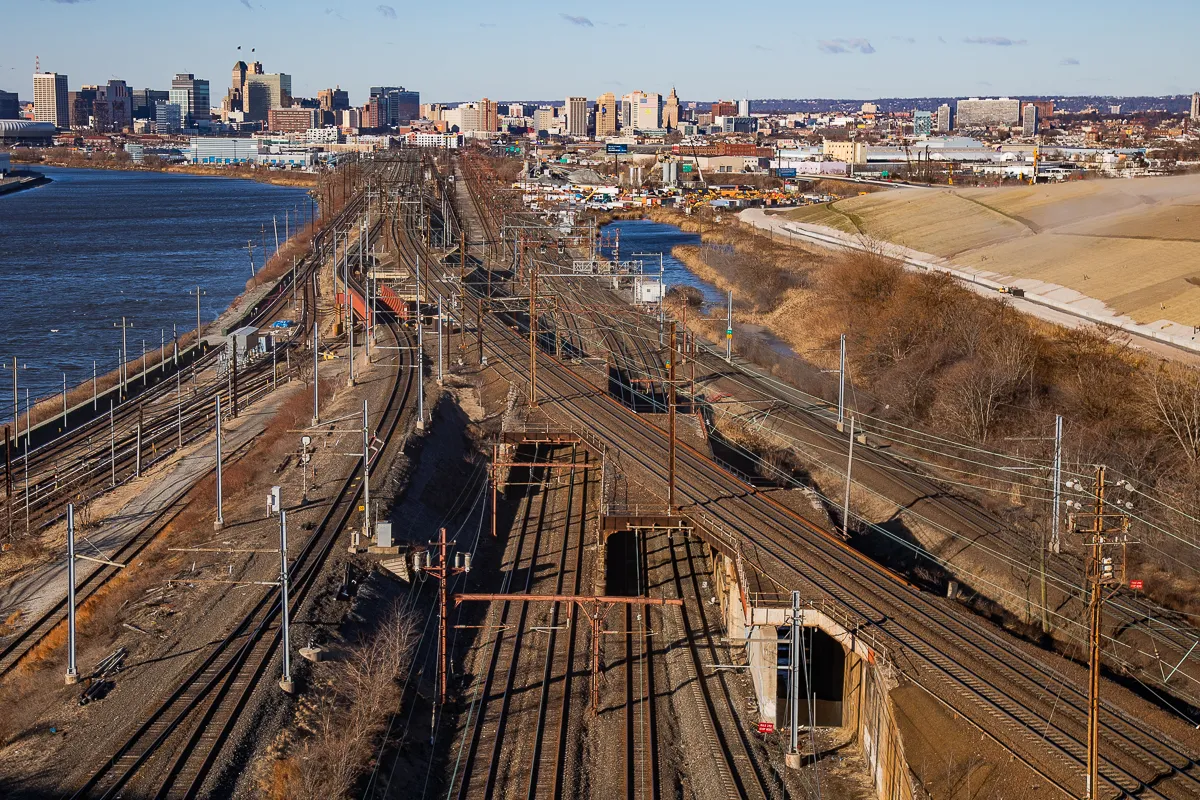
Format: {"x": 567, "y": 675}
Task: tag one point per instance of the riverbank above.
{"x": 274, "y": 177}
{"x": 19, "y": 180}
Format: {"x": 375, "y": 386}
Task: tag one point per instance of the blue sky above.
{"x": 538, "y": 50}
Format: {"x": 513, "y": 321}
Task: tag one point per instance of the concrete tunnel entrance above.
{"x": 624, "y": 565}
{"x": 826, "y": 678}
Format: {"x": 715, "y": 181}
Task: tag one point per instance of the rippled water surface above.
{"x": 645, "y": 236}
{"x": 95, "y": 245}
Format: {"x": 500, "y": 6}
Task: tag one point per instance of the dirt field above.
{"x": 1132, "y": 244}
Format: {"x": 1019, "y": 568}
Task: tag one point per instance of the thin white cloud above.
{"x": 845, "y": 46}
{"x": 1069, "y": 62}
{"x": 996, "y": 41}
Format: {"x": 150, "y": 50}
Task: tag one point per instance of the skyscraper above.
{"x": 264, "y": 91}
{"x": 397, "y": 105}
{"x": 606, "y": 115}
{"x": 50, "y": 101}
{"x": 1029, "y": 120}
{"x": 945, "y": 118}
{"x": 670, "y": 114}
{"x": 144, "y": 101}
{"x": 9, "y": 106}
{"x": 334, "y": 99}
{"x": 577, "y": 116}
{"x": 648, "y": 112}
{"x": 191, "y": 95}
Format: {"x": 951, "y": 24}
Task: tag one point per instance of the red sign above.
{"x": 766, "y": 727}
{"x": 1136, "y": 584}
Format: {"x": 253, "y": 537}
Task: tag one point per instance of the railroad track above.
{"x": 198, "y": 718}
{"x": 934, "y": 636}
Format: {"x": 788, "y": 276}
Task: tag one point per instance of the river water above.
{"x": 94, "y": 245}
{"x": 641, "y": 236}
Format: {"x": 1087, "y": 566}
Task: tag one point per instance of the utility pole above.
{"x": 532, "y": 332}
{"x": 841, "y": 422}
{"x": 672, "y": 357}
{"x": 198, "y": 293}
{"x": 420, "y": 365}
{"x": 220, "y": 523}
{"x": 366, "y": 437}
{"x": 439, "y": 338}
{"x": 285, "y": 682}
{"x": 72, "y": 672}
{"x": 1106, "y": 539}
{"x": 316, "y": 356}
{"x": 124, "y": 355}
{"x": 443, "y": 572}
{"x": 729, "y": 331}
{"x": 849, "y": 467}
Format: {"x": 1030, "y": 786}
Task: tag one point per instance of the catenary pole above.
{"x": 285, "y": 682}
{"x": 220, "y": 523}
{"x": 72, "y": 672}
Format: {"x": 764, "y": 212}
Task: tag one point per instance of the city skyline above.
{"x": 1046, "y": 48}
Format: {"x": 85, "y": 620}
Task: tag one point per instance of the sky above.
{"x": 467, "y": 49}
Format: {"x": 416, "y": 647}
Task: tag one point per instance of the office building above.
{"x": 191, "y": 95}
{"x": 628, "y": 104}
{"x": 849, "y": 152}
{"x": 743, "y": 108}
{"x": 607, "y": 117}
{"x": 1195, "y": 107}
{"x": 1000, "y": 112}
{"x": 81, "y": 104}
{"x": 112, "y": 109}
{"x": 1045, "y": 109}
{"x": 649, "y": 112}
{"x": 293, "y": 120}
{"x": 670, "y": 113}
{"x": 922, "y": 123}
{"x": 945, "y": 118}
{"x": 740, "y": 125}
{"x": 50, "y": 99}
{"x": 433, "y": 111}
{"x": 724, "y": 108}
{"x": 334, "y": 99}
{"x": 145, "y": 100}
{"x": 10, "y": 107}
{"x": 1029, "y": 120}
{"x": 396, "y": 105}
{"x": 168, "y": 118}
{"x": 546, "y": 119}
{"x": 576, "y": 109}
{"x": 349, "y": 118}
{"x": 263, "y": 92}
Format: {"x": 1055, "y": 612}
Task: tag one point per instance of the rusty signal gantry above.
{"x": 595, "y": 607}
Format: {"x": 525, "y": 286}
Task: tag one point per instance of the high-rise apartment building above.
{"x": 629, "y": 105}
{"x": 191, "y": 95}
{"x": 334, "y": 99}
{"x": 1045, "y": 109}
{"x": 10, "y": 107}
{"x": 922, "y": 123}
{"x": 1195, "y": 107}
{"x": 945, "y": 118}
{"x": 607, "y": 116}
{"x": 546, "y": 119}
{"x": 1029, "y": 120}
{"x": 649, "y": 112}
{"x": 743, "y": 107}
{"x": 293, "y": 119}
{"x": 997, "y": 112}
{"x": 577, "y": 116}
{"x": 50, "y": 101}
{"x": 670, "y": 113}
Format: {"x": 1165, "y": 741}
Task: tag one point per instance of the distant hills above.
{"x": 1171, "y": 104}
